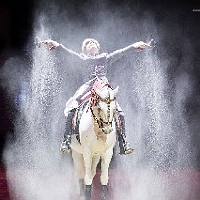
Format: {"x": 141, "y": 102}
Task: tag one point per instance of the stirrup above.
{"x": 126, "y": 150}
{"x": 65, "y": 147}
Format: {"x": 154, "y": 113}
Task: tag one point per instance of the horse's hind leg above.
{"x": 78, "y": 164}
{"x": 82, "y": 187}
{"x": 79, "y": 170}
{"x": 88, "y": 169}
{"x": 88, "y": 173}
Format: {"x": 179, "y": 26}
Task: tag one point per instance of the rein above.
{"x": 95, "y": 99}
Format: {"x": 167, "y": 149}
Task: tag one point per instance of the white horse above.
{"x": 97, "y": 131}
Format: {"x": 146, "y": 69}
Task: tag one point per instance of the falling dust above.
{"x": 152, "y": 102}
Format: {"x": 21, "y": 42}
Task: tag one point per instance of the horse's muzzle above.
{"x": 107, "y": 129}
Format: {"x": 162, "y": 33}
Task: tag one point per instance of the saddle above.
{"x": 77, "y": 117}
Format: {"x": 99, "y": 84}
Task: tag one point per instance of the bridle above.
{"x": 95, "y": 99}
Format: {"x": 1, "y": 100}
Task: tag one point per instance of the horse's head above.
{"x": 103, "y": 106}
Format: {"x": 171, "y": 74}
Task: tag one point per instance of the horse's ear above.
{"x": 116, "y": 89}
{"x": 114, "y": 92}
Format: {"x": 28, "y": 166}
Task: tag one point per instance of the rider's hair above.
{"x": 86, "y": 41}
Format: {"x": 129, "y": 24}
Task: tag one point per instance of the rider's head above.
{"x": 90, "y": 46}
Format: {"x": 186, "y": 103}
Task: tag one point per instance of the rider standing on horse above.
{"x": 97, "y": 65}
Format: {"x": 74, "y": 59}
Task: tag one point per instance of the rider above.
{"x": 97, "y": 65}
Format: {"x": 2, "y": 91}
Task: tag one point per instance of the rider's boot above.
{"x": 65, "y": 146}
{"x": 123, "y": 144}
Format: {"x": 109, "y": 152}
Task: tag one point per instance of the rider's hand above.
{"x": 141, "y": 45}
{"x": 51, "y": 44}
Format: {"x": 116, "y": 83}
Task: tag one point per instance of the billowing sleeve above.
{"x": 72, "y": 52}
{"x": 114, "y": 56}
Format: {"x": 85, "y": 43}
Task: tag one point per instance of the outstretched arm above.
{"x": 53, "y": 45}
{"x": 136, "y": 47}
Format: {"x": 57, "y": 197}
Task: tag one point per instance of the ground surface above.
{"x": 189, "y": 190}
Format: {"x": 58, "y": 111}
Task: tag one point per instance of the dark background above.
{"x": 16, "y": 28}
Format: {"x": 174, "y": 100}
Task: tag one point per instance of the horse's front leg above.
{"x": 95, "y": 162}
{"x": 88, "y": 173}
{"x": 105, "y": 162}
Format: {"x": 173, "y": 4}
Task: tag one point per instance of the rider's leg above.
{"x": 123, "y": 144}
{"x": 76, "y": 99}
{"x": 65, "y": 146}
